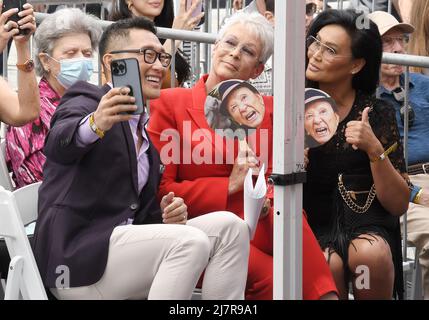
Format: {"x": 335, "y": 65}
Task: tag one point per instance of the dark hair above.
{"x": 269, "y": 5}
{"x": 165, "y": 19}
{"x": 365, "y": 44}
{"x": 119, "y": 31}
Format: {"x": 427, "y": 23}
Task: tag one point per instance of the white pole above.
{"x": 288, "y": 153}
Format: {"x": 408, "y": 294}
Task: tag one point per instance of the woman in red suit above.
{"x": 200, "y": 166}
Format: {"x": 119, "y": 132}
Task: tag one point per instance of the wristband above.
{"x": 418, "y": 196}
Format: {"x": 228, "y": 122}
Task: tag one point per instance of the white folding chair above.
{"x": 5, "y": 179}
{"x": 27, "y": 198}
{"x": 24, "y": 278}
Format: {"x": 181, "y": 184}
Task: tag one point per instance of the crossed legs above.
{"x": 165, "y": 261}
{"x": 370, "y": 267}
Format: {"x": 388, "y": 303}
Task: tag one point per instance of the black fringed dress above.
{"x": 333, "y": 228}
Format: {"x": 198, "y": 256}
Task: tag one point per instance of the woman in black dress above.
{"x": 358, "y": 231}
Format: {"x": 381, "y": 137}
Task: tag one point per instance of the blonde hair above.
{"x": 419, "y": 39}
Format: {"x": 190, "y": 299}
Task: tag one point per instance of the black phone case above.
{"x": 126, "y": 73}
{"x": 10, "y": 4}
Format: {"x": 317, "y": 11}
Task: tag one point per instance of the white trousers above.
{"x": 418, "y": 230}
{"x": 165, "y": 261}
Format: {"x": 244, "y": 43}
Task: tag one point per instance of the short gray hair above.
{"x": 257, "y": 25}
{"x": 62, "y": 23}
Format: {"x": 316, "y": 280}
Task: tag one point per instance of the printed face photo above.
{"x": 234, "y": 106}
{"x": 246, "y": 107}
{"x": 320, "y": 121}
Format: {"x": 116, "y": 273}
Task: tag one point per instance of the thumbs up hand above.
{"x": 360, "y": 135}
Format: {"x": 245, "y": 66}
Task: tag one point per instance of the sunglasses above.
{"x": 399, "y": 96}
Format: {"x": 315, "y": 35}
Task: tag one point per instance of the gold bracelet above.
{"x": 383, "y": 156}
{"x": 93, "y": 126}
{"x": 418, "y": 196}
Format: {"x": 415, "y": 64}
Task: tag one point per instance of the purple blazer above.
{"x": 88, "y": 191}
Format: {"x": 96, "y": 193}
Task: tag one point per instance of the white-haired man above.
{"x": 395, "y": 36}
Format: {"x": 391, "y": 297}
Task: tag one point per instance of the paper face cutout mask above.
{"x": 234, "y": 107}
{"x": 321, "y": 118}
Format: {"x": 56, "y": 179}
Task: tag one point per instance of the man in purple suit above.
{"x": 101, "y": 232}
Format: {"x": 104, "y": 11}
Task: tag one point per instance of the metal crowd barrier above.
{"x": 72, "y": 3}
{"x": 340, "y": 4}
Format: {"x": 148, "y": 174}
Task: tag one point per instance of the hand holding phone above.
{"x": 198, "y": 8}
{"x": 112, "y": 109}
{"x": 15, "y": 4}
{"x": 126, "y": 73}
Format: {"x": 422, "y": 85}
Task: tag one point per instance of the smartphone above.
{"x": 197, "y": 10}
{"x": 126, "y": 73}
{"x": 10, "y": 4}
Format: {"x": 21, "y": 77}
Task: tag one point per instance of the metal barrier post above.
{"x": 207, "y": 29}
{"x": 288, "y": 148}
{"x": 173, "y": 64}
{"x": 406, "y": 128}
{"x": 197, "y": 66}
{"x": 218, "y": 15}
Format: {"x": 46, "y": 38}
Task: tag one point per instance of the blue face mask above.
{"x": 73, "y": 70}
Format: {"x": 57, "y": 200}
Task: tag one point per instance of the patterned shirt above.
{"x": 24, "y": 145}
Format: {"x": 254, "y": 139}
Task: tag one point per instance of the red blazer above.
{"x": 204, "y": 187}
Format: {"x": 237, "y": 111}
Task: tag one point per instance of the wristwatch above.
{"x": 27, "y": 66}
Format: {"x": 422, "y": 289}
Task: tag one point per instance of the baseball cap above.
{"x": 227, "y": 87}
{"x": 386, "y": 22}
{"x": 312, "y": 95}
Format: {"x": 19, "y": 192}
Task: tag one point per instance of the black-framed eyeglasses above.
{"x": 310, "y": 9}
{"x": 149, "y": 55}
{"x": 399, "y": 96}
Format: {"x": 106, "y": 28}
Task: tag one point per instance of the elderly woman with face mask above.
{"x": 64, "y": 46}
